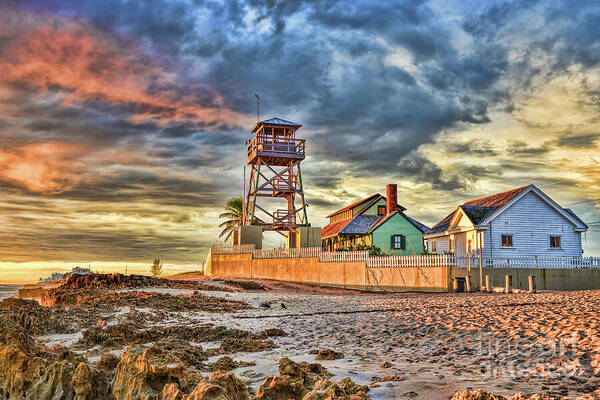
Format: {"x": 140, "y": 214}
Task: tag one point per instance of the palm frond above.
{"x": 233, "y": 213}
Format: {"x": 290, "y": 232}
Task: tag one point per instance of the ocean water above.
{"x": 8, "y": 290}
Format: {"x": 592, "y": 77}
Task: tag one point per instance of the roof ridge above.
{"x": 492, "y": 195}
{"x": 353, "y": 204}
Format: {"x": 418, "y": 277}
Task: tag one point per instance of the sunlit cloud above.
{"x": 47, "y": 52}
{"x": 43, "y": 167}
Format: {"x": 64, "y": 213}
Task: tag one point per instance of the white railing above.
{"x": 410, "y": 261}
{"x": 432, "y": 260}
{"x": 538, "y": 262}
{"x": 303, "y": 252}
{"x": 343, "y": 256}
{"x": 239, "y": 249}
{"x": 486, "y": 261}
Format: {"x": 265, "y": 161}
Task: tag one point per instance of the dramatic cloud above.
{"x": 122, "y": 122}
{"x": 42, "y": 167}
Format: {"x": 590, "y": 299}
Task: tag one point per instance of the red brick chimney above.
{"x": 392, "y": 198}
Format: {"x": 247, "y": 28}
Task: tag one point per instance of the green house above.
{"x": 376, "y": 220}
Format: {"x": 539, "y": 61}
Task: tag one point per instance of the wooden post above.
{"x": 480, "y": 248}
{"x": 532, "y": 288}
{"x": 468, "y": 280}
{"x": 488, "y": 285}
{"x": 508, "y": 284}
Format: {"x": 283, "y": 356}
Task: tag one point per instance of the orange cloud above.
{"x": 47, "y": 167}
{"x": 91, "y": 65}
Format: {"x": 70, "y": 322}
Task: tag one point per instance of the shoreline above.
{"x": 401, "y": 345}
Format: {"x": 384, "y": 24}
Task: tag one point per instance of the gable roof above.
{"x": 484, "y": 208}
{"x": 479, "y": 209}
{"x": 372, "y": 199}
{"x": 571, "y": 213}
{"x": 423, "y": 228}
{"x": 333, "y": 229}
{"x": 362, "y": 224}
{"x": 413, "y": 221}
{"x": 478, "y": 213}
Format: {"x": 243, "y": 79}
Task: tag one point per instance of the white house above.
{"x": 520, "y": 222}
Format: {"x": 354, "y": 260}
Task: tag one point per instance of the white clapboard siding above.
{"x": 442, "y": 245}
{"x": 531, "y": 221}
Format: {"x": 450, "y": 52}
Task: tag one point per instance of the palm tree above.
{"x": 233, "y": 213}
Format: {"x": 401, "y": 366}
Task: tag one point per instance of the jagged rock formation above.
{"x": 28, "y": 371}
{"x": 100, "y": 298}
{"x": 304, "y": 381}
{"x": 478, "y": 394}
{"x": 119, "y": 281}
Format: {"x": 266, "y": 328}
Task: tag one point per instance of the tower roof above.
{"x": 275, "y": 121}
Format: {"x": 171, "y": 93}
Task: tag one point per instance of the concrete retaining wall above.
{"x": 426, "y": 279}
{"x": 414, "y": 279}
{"x": 546, "y": 278}
{"x": 339, "y": 274}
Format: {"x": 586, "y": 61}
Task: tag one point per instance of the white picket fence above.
{"x": 433, "y": 260}
{"x": 486, "y": 261}
{"x": 409, "y": 261}
{"x": 303, "y": 252}
{"x": 240, "y": 249}
{"x": 537, "y": 262}
{"x": 343, "y": 256}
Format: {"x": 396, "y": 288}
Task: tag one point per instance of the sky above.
{"x": 122, "y": 122}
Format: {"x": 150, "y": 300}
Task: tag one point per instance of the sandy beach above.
{"x": 394, "y": 346}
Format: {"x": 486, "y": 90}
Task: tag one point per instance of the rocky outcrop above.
{"x": 28, "y": 371}
{"x": 120, "y": 281}
{"x": 328, "y": 354}
{"x": 125, "y": 334}
{"x": 34, "y": 318}
{"x": 103, "y": 299}
{"x": 304, "y": 381}
{"x": 32, "y": 292}
{"x": 139, "y": 376}
{"x": 143, "y": 374}
{"x": 478, "y": 394}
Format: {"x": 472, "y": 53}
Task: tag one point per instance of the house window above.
{"x": 433, "y": 246}
{"x": 398, "y": 242}
{"x": 507, "y": 240}
{"x": 451, "y": 245}
{"x": 555, "y": 242}
{"x": 380, "y": 210}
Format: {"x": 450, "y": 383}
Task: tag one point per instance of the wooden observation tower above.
{"x": 274, "y": 155}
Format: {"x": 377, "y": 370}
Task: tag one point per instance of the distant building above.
{"x": 520, "y": 222}
{"x": 375, "y": 220}
{"x": 80, "y": 271}
{"x": 55, "y": 277}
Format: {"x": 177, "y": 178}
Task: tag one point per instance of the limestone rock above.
{"x": 475, "y": 394}
{"x": 328, "y": 354}
{"x": 305, "y": 381}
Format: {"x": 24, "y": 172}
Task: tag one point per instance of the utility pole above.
{"x": 257, "y": 108}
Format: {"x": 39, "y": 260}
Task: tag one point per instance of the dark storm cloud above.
{"x": 471, "y": 148}
{"x": 520, "y": 148}
{"x": 579, "y": 141}
{"x": 423, "y": 170}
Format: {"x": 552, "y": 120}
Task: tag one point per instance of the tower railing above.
{"x": 275, "y": 144}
